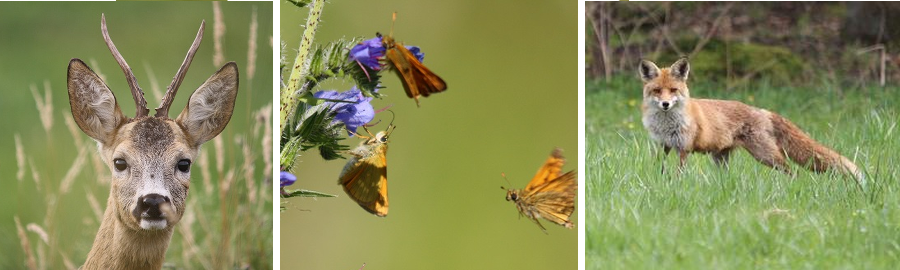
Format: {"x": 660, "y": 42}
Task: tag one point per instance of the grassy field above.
{"x": 748, "y": 216}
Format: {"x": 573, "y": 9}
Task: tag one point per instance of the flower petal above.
{"x": 417, "y": 52}
{"x": 287, "y": 179}
{"x": 368, "y": 53}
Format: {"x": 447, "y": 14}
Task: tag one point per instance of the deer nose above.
{"x": 149, "y": 206}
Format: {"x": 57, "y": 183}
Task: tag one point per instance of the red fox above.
{"x": 678, "y": 121}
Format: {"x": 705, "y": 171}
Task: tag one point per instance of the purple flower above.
{"x": 368, "y": 53}
{"x": 357, "y": 111}
{"x": 287, "y": 179}
{"x": 417, "y": 52}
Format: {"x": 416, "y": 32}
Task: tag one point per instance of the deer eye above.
{"x": 120, "y": 164}
{"x": 184, "y": 165}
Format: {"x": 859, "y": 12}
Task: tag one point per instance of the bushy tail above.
{"x": 807, "y": 152}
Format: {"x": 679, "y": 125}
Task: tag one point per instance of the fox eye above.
{"x": 674, "y": 90}
{"x": 655, "y": 90}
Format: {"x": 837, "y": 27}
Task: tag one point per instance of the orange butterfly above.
{"x": 417, "y": 79}
{"x": 364, "y": 178}
{"x": 550, "y": 194}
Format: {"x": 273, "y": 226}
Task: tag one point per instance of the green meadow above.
{"x": 747, "y": 216}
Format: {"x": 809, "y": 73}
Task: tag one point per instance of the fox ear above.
{"x": 680, "y": 69}
{"x": 648, "y": 70}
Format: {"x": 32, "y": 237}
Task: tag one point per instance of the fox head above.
{"x": 666, "y": 88}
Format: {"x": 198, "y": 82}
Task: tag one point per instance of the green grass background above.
{"x": 511, "y": 98}
{"x": 38, "y": 41}
{"x": 749, "y": 216}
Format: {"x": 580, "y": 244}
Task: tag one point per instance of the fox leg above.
{"x": 662, "y": 157}
{"x": 682, "y": 156}
{"x": 767, "y": 152}
{"x": 721, "y": 157}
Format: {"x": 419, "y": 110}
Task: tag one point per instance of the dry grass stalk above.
{"x": 73, "y": 129}
{"x": 190, "y": 249}
{"x": 225, "y": 185}
{"x": 66, "y": 183}
{"x": 251, "y": 47}
{"x": 97, "y": 70}
{"x": 67, "y": 262}
{"x": 42, "y": 256}
{"x": 204, "y": 172}
{"x": 44, "y": 106}
{"x": 218, "y": 33}
{"x": 35, "y": 175}
{"x": 249, "y": 170}
{"x": 30, "y": 262}
{"x": 223, "y": 253}
{"x": 95, "y": 205}
{"x": 264, "y": 116}
{"x": 36, "y": 229}
{"x": 154, "y": 84}
{"x": 20, "y": 158}
{"x": 219, "y": 145}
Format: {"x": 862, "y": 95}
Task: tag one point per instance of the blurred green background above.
{"x": 230, "y": 226}
{"x": 511, "y": 70}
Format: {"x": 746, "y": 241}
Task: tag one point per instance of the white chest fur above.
{"x": 671, "y": 128}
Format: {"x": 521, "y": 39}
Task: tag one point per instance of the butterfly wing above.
{"x": 525, "y": 208}
{"x": 417, "y": 79}
{"x": 404, "y": 71}
{"x": 554, "y": 200}
{"x": 427, "y": 81}
{"x": 365, "y": 180}
{"x": 549, "y": 171}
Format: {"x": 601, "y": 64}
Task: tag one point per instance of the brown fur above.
{"x": 718, "y": 126}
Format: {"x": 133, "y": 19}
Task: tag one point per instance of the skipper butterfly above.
{"x": 417, "y": 79}
{"x": 549, "y": 195}
{"x": 364, "y": 178}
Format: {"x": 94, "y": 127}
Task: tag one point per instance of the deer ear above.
{"x": 93, "y": 105}
{"x": 211, "y": 105}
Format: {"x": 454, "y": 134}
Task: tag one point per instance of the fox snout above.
{"x": 667, "y": 104}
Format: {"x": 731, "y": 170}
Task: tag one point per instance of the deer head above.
{"x": 150, "y": 157}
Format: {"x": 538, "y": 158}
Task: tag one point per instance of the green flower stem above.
{"x": 289, "y": 97}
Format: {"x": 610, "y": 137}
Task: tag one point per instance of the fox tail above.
{"x": 807, "y": 152}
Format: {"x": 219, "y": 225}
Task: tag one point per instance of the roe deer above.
{"x": 149, "y": 156}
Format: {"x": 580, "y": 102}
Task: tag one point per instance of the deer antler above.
{"x": 163, "y": 109}
{"x": 136, "y": 92}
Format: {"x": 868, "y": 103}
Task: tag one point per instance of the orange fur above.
{"x": 716, "y": 127}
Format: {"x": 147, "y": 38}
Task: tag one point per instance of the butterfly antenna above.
{"x": 392, "y": 117}
{"x": 371, "y": 124}
{"x": 393, "y": 19}
{"x": 379, "y": 120}
{"x": 391, "y": 125}
{"x": 507, "y": 181}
